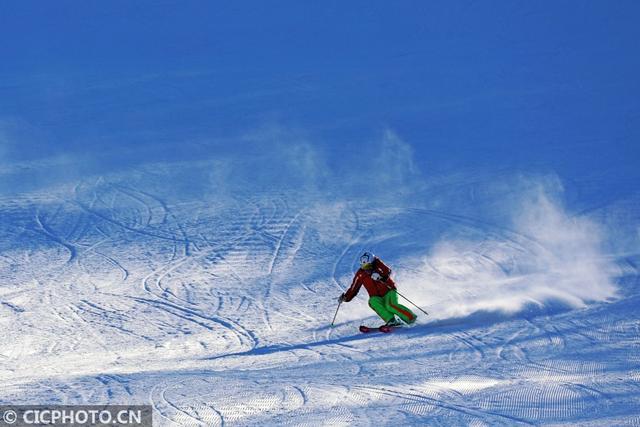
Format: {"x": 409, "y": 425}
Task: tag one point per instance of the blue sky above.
{"x": 536, "y": 86}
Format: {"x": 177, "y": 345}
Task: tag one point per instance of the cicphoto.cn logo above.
{"x": 76, "y": 416}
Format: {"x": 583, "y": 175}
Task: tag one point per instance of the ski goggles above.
{"x": 366, "y": 261}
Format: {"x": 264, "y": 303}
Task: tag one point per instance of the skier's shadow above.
{"x": 434, "y": 327}
{"x": 276, "y": 348}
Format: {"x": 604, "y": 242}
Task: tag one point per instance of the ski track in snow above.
{"x": 218, "y": 315}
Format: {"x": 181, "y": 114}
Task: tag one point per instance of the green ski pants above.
{"x": 387, "y": 306}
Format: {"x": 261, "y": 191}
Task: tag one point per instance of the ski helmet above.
{"x": 366, "y": 260}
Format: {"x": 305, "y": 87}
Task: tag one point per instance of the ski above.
{"x": 384, "y": 328}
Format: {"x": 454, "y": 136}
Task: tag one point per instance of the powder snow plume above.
{"x": 550, "y": 257}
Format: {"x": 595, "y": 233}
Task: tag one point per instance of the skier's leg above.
{"x": 392, "y": 305}
{"x": 378, "y": 305}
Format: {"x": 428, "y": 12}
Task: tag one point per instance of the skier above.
{"x": 383, "y": 298}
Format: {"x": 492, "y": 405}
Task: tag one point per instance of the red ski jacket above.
{"x": 375, "y": 288}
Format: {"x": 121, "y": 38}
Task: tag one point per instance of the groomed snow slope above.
{"x": 215, "y": 308}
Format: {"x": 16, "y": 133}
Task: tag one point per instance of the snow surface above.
{"x": 183, "y": 199}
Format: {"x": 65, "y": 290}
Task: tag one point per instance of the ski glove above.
{"x": 341, "y": 298}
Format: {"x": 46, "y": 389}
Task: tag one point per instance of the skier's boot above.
{"x": 394, "y": 322}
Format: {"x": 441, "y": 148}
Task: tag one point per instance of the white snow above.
{"x": 216, "y": 309}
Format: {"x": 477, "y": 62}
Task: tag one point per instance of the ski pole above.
{"x": 414, "y": 304}
{"x": 335, "y": 315}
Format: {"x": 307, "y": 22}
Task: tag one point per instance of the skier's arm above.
{"x": 353, "y": 289}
